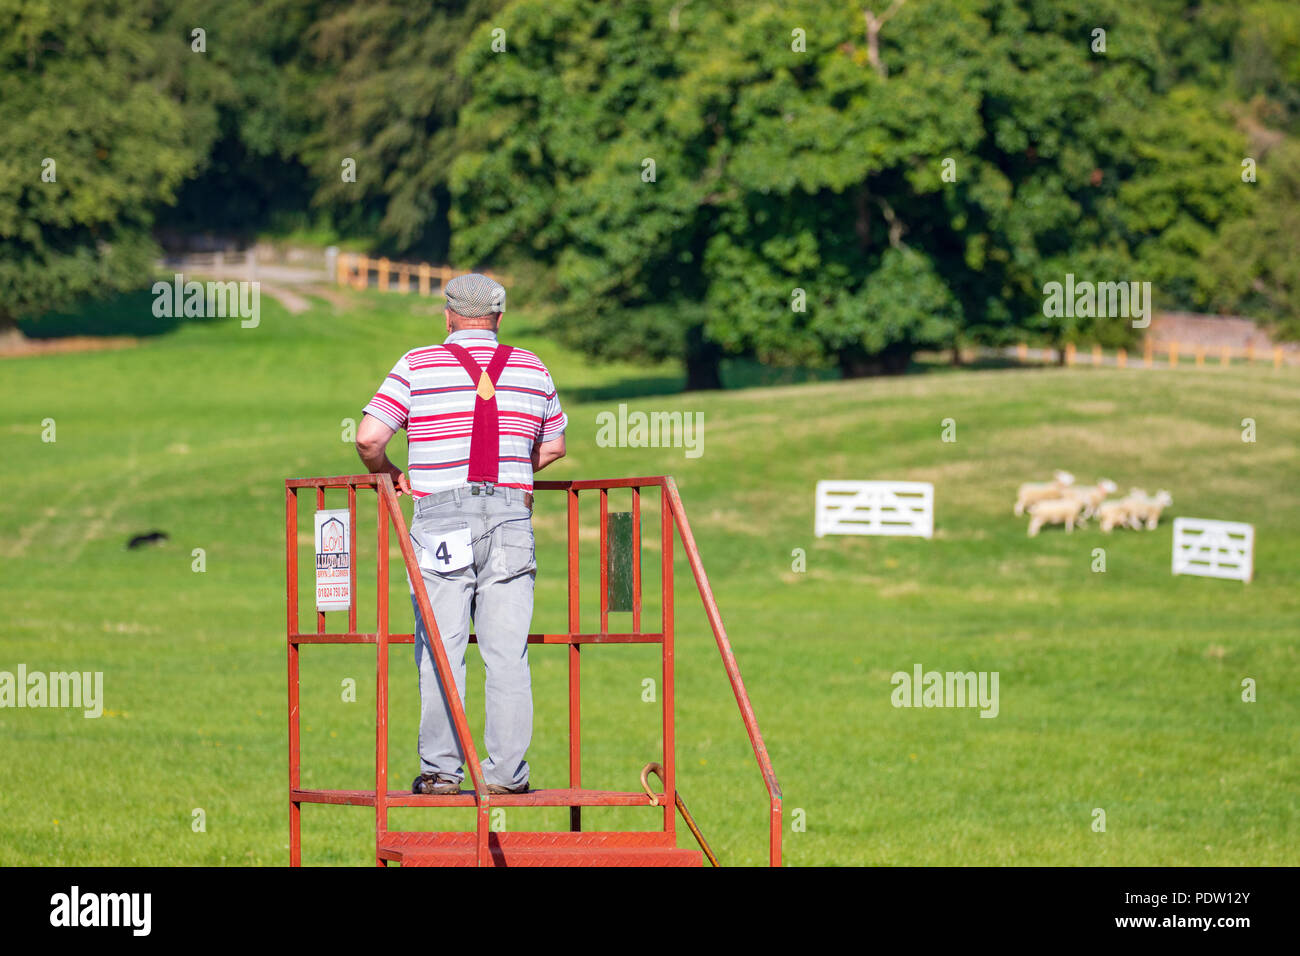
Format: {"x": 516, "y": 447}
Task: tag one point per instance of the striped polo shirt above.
{"x": 430, "y": 394}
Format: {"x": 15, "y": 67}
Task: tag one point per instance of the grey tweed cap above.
{"x": 473, "y": 295}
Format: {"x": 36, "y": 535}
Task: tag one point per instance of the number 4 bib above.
{"x": 448, "y": 551}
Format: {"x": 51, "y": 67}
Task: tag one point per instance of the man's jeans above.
{"x": 496, "y": 590}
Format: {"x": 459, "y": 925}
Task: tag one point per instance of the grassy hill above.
{"x": 1118, "y": 690}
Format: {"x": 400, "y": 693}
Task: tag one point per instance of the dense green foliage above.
{"x": 94, "y": 135}
{"x": 816, "y": 202}
{"x": 814, "y": 182}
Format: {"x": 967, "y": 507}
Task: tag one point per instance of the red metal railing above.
{"x": 575, "y": 797}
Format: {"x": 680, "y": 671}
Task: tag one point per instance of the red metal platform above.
{"x": 652, "y": 848}
{"x": 481, "y": 846}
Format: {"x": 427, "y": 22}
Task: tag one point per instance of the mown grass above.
{"x": 1118, "y": 690}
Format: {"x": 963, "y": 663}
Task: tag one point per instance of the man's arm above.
{"x": 373, "y": 437}
{"x": 547, "y": 452}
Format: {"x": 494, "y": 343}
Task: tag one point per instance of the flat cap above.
{"x": 473, "y": 295}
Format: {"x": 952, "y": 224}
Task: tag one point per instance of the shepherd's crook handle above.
{"x": 658, "y": 771}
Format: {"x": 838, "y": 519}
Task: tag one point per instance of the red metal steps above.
{"x": 651, "y": 848}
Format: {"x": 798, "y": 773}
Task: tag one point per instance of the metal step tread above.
{"x": 637, "y": 848}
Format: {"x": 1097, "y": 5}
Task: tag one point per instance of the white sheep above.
{"x": 1113, "y": 514}
{"x": 1055, "y": 511}
{"x": 1032, "y": 491}
{"x": 1091, "y": 495}
{"x": 1145, "y": 509}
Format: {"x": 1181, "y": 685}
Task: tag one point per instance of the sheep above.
{"x": 1114, "y": 514}
{"x": 1032, "y": 491}
{"x": 1055, "y": 511}
{"x": 1149, "y": 509}
{"x": 1091, "y": 495}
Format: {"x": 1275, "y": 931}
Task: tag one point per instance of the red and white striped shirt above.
{"x": 429, "y": 393}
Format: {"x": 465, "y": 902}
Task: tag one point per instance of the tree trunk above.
{"x": 703, "y": 362}
{"x": 855, "y": 362}
{"x": 10, "y": 335}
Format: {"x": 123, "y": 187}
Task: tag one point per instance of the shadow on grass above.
{"x": 982, "y": 363}
{"x": 736, "y": 374}
{"x": 127, "y": 313}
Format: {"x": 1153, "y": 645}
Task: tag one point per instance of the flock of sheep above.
{"x": 1061, "y": 501}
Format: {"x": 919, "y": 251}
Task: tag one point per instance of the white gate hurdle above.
{"x": 1214, "y": 549}
{"x": 875, "y": 507}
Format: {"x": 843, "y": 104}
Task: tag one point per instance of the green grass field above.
{"x": 1118, "y": 690}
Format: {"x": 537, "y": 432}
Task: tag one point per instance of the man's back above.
{"x": 430, "y": 394}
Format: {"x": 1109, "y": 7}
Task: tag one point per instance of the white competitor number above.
{"x": 333, "y": 561}
{"x": 448, "y": 552}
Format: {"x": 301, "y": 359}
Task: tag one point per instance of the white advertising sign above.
{"x": 333, "y": 561}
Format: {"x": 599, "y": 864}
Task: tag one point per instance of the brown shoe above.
{"x": 497, "y": 788}
{"x": 435, "y": 783}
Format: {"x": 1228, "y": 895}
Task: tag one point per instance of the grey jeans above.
{"x": 496, "y": 590}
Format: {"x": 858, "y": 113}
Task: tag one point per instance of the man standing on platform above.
{"x": 480, "y": 419}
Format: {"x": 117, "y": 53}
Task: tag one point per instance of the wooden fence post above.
{"x": 1022, "y": 352}
{"x": 1121, "y": 358}
{"x": 424, "y": 278}
{"x": 403, "y": 277}
{"x": 1277, "y": 356}
{"x": 1069, "y": 354}
{"x": 1200, "y": 356}
{"x": 362, "y": 280}
{"x": 1173, "y": 355}
{"x": 341, "y": 274}
{"x": 1096, "y": 354}
{"x": 1147, "y": 353}
{"x": 383, "y": 275}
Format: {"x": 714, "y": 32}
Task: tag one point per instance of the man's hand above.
{"x": 373, "y": 437}
{"x": 401, "y": 484}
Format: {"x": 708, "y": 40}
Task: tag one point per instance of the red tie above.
{"x": 484, "y": 442}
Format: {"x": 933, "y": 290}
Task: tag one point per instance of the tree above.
{"x": 388, "y": 99}
{"x": 815, "y": 183}
{"x": 93, "y": 136}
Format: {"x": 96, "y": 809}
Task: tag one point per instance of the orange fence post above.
{"x": 1069, "y": 353}
{"x": 1096, "y": 354}
{"x": 383, "y": 275}
{"x": 1022, "y": 352}
{"x": 403, "y": 277}
{"x": 362, "y": 278}
{"x": 1277, "y": 356}
{"x": 1200, "y": 356}
{"x": 1250, "y": 352}
{"x": 341, "y": 270}
{"x": 1148, "y": 350}
{"x": 1173, "y": 355}
{"x": 1121, "y": 358}
{"x": 424, "y": 278}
